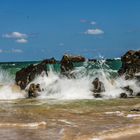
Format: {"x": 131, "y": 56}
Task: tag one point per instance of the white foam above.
{"x": 30, "y": 125}
{"x": 56, "y": 87}
{"x": 133, "y": 115}
{"x": 7, "y": 93}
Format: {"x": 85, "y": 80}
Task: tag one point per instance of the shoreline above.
{"x": 121, "y": 134}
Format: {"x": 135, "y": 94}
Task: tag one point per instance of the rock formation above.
{"x": 49, "y": 61}
{"x": 130, "y": 64}
{"x": 98, "y": 87}
{"x": 67, "y": 64}
{"x": 26, "y": 75}
{"x": 76, "y": 58}
{"x": 34, "y": 90}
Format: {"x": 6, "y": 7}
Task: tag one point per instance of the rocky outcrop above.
{"x": 128, "y": 90}
{"x": 123, "y": 95}
{"x": 34, "y": 90}
{"x": 26, "y": 75}
{"x": 66, "y": 66}
{"x": 49, "y": 61}
{"x": 98, "y": 87}
{"x": 130, "y": 64}
{"x": 74, "y": 58}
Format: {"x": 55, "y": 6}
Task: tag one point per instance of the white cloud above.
{"x": 94, "y": 32}
{"x": 16, "y": 51}
{"x": 92, "y": 22}
{"x": 22, "y": 40}
{"x": 15, "y": 35}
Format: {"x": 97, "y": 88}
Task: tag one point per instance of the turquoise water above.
{"x": 13, "y": 67}
{"x": 57, "y": 86}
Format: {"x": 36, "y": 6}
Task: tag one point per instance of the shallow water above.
{"x": 66, "y": 108}
{"x": 43, "y": 119}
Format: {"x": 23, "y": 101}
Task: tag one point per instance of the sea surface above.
{"x": 66, "y": 108}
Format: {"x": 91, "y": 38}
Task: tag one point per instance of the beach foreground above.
{"x": 70, "y": 120}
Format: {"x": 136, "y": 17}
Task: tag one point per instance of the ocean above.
{"x": 66, "y": 108}
{"x": 54, "y": 84}
{"x": 57, "y": 87}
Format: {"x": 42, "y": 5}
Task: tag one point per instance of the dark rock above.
{"x": 66, "y": 66}
{"x": 98, "y": 86}
{"x": 138, "y": 94}
{"x": 75, "y": 58}
{"x": 130, "y": 64}
{"x": 26, "y": 75}
{"x": 92, "y": 60}
{"x": 135, "y": 109}
{"x": 129, "y": 90}
{"x": 123, "y": 95}
{"x": 49, "y": 61}
{"x": 97, "y": 95}
{"x": 34, "y": 90}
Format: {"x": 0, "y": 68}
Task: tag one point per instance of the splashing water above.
{"x": 7, "y": 88}
{"x": 57, "y": 87}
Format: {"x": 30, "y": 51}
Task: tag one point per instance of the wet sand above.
{"x": 69, "y": 120}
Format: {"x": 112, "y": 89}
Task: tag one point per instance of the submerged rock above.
{"x": 34, "y": 90}
{"x": 123, "y": 95}
{"x": 130, "y": 64}
{"x": 98, "y": 86}
{"x": 129, "y": 90}
{"x": 135, "y": 109}
{"x": 26, "y": 75}
{"x": 97, "y": 95}
{"x": 138, "y": 94}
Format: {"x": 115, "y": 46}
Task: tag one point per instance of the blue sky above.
{"x": 39, "y": 29}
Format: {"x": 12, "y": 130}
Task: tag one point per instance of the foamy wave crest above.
{"x": 8, "y": 90}
{"x": 6, "y": 77}
{"x": 56, "y": 87}
{"x": 25, "y": 125}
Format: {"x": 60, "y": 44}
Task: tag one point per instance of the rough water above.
{"x": 66, "y": 108}
{"x": 58, "y": 87}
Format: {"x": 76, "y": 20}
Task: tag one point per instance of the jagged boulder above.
{"x": 49, "y": 61}
{"x": 98, "y": 87}
{"x": 26, "y": 75}
{"x": 128, "y": 89}
{"x": 76, "y": 58}
{"x": 130, "y": 64}
{"x": 66, "y": 66}
{"x": 34, "y": 90}
{"x": 123, "y": 95}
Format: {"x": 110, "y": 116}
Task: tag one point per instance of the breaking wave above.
{"x": 58, "y": 87}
